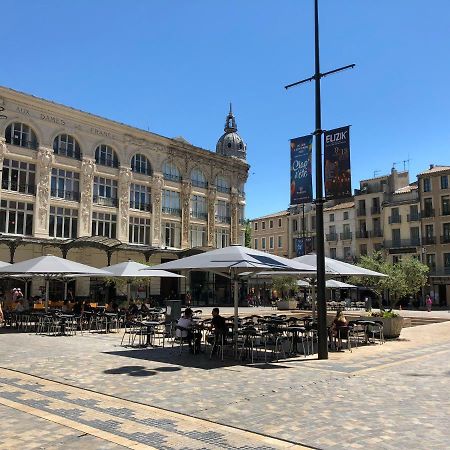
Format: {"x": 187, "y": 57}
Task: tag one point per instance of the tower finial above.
{"x": 231, "y": 109}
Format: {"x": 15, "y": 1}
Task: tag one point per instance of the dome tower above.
{"x": 230, "y": 143}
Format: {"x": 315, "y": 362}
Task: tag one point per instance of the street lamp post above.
{"x": 321, "y": 302}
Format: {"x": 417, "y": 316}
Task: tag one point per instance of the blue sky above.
{"x": 173, "y": 66}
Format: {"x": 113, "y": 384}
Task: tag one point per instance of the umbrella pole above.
{"x": 128, "y": 291}
{"x": 65, "y": 290}
{"x": 236, "y": 303}
{"x": 313, "y": 300}
{"x": 47, "y": 285}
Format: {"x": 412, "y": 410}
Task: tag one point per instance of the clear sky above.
{"x": 172, "y": 66}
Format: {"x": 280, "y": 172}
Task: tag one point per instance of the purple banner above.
{"x": 301, "y": 180}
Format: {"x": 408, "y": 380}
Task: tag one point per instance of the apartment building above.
{"x": 270, "y": 233}
{"x": 302, "y": 229}
{"x": 434, "y": 195}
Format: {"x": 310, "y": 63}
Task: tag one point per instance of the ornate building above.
{"x": 71, "y": 180}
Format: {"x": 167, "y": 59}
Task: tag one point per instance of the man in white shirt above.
{"x": 184, "y": 329}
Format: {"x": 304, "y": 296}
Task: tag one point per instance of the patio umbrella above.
{"x": 132, "y": 269}
{"x": 230, "y": 262}
{"x": 334, "y": 284}
{"x": 50, "y": 267}
{"x": 4, "y": 264}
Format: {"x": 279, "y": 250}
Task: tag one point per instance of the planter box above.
{"x": 392, "y": 327}
{"x": 286, "y": 304}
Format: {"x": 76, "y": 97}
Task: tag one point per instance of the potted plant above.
{"x": 286, "y": 287}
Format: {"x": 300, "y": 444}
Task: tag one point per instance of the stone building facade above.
{"x": 270, "y": 233}
{"x": 70, "y": 179}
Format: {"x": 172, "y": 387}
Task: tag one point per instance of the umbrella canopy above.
{"x": 303, "y": 283}
{"x": 231, "y": 261}
{"x": 133, "y": 269}
{"x": 50, "y": 266}
{"x": 334, "y": 284}
{"x": 335, "y": 267}
{"x": 4, "y": 264}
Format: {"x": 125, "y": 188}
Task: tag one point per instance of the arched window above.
{"x": 171, "y": 172}
{"x": 222, "y": 184}
{"x": 198, "y": 178}
{"x": 140, "y": 164}
{"x": 106, "y": 156}
{"x": 21, "y": 135}
{"x": 66, "y": 145}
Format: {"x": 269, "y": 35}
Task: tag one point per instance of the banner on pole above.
{"x": 301, "y": 179}
{"x": 338, "y": 183}
{"x": 303, "y": 246}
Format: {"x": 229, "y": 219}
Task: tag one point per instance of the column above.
{"x": 212, "y": 194}
{"x": 157, "y": 185}
{"x": 3, "y": 154}
{"x": 186, "y": 189}
{"x": 124, "y": 203}
{"x": 234, "y": 207}
{"x": 42, "y": 204}
{"x": 86, "y": 188}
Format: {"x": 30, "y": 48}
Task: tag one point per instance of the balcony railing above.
{"x": 346, "y": 236}
{"x": 375, "y": 210}
{"x": 170, "y": 177}
{"x": 171, "y": 211}
{"x": 445, "y": 212}
{"x": 332, "y": 237}
{"x": 362, "y": 234}
{"x": 110, "y": 162}
{"x": 395, "y": 219}
{"x": 199, "y": 215}
{"x": 200, "y": 184}
{"x": 61, "y": 151}
{"x": 361, "y": 212}
{"x": 22, "y": 143}
{"x": 19, "y": 187}
{"x": 66, "y": 195}
{"x": 223, "y": 219}
{"x": 429, "y": 240}
{"x": 376, "y": 233}
{"x": 105, "y": 201}
{"x": 427, "y": 213}
{"x": 225, "y": 190}
{"x": 445, "y": 239}
{"x": 399, "y": 243}
{"x": 413, "y": 217}
{"x": 141, "y": 206}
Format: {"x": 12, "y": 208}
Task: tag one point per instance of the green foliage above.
{"x": 284, "y": 285}
{"x": 403, "y": 279}
{"x": 385, "y": 314}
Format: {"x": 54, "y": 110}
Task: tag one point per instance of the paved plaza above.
{"x": 87, "y": 391}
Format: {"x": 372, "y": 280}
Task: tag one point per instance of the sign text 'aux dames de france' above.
{"x": 301, "y": 179}
{"x": 338, "y": 183}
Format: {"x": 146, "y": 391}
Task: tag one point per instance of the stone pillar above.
{"x": 157, "y": 185}
{"x": 3, "y": 154}
{"x": 186, "y": 189}
{"x": 124, "y": 203}
{"x": 86, "y": 188}
{"x": 212, "y": 194}
{"x": 234, "y": 207}
{"x": 42, "y": 204}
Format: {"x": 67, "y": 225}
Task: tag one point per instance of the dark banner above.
{"x": 301, "y": 180}
{"x": 338, "y": 183}
{"x": 303, "y": 246}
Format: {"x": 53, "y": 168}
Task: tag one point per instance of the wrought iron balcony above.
{"x": 429, "y": 212}
{"x": 413, "y": 217}
{"x": 346, "y": 236}
{"x": 141, "y": 206}
{"x": 110, "y": 162}
{"x": 105, "y": 201}
{"x": 22, "y": 143}
{"x": 429, "y": 240}
{"x": 18, "y": 187}
{"x": 445, "y": 239}
{"x": 66, "y": 195}
{"x": 399, "y": 243}
{"x": 395, "y": 219}
{"x": 223, "y": 219}
{"x": 63, "y": 151}
{"x": 200, "y": 184}
{"x": 375, "y": 210}
{"x": 171, "y": 211}
{"x": 362, "y": 234}
{"x": 170, "y": 177}
{"x": 361, "y": 212}
{"x": 332, "y": 237}
{"x": 376, "y": 233}
{"x": 199, "y": 215}
{"x": 445, "y": 212}
{"x": 225, "y": 190}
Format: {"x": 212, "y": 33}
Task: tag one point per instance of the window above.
{"x": 313, "y": 222}
{"x": 171, "y": 203}
{"x": 140, "y": 197}
{"x": 361, "y": 207}
{"x": 140, "y": 164}
{"x": 347, "y": 253}
{"x": 139, "y": 230}
{"x": 332, "y": 253}
{"x": 256, "y": 226}
{"x": 428, "y": 207}
{"x": 222, "y": 237}
{"x": 396, "y": 237}
{"x": 105, "y": 191}
{"x": 263, "y": 225}
{"x": 280, "y": 222}
{"x": 198, "y": 207}
{"x": 198, "y": 236}
{"x": 104, "y": 224}
{"x": 263, "y": 243}
{"x": 430, "y": 260}
{"x": 21, "y": 135}
{"x": 255, "y": 244}
{"x": 444, "y": 182}
{"x": 223, "y": 211}
{"x": 18, "y": 176}
{"x": 270, "y": 223}
{"x": 446, "y": 233}
{"x": 280, "y": 241}
{"x": 63, "y": 222}
{"x": 198, "y": 178}
{"x": 447, "y": 262}
{"x": 429, "y": 233}
{"x": 222, "y": 184}
{"x": 413, "y": 213}
{"x": 171, "y": 234}
{"x": 271, "y": 242}
{"x": 346, "y": 231}
{"x": 16, "y": 217}
{"x": 363, "y": 249}
{"x": 66, "y": 145}
{"x": 331, "y": 217}
{"x": 345, "y": 215}
{"x": 415, "y": 236}
{"x": 171, "y": 172}
{"x": 65, "y": 184}
{"x": 426, "y": 185}
{"x": 106, "y": 156}
{"x": 445, "y": 202}
{"x": 294, "y": 224}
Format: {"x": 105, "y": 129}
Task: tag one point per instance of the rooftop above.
{"x": 434, "y": 169}
{"x": 406, "y": 189}
{"x": 278, "y": 214}
{"x": 345, "y": 205}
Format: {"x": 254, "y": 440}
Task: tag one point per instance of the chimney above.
{"x": 431, "y": 166}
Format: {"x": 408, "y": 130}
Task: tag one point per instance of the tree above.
{"x": 416, "y": 275}
{"x": 284, "y": 285}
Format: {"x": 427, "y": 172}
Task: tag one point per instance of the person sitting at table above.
{"x": 219, "y": 327}
{"x": 133, "y": 308}
{"x": 87, "y": 306}
{"x": 185, "y": 331}
{"x": 339, "y": 323}
{"x": 65, "y": 307}
{"x": 18, "y": 307}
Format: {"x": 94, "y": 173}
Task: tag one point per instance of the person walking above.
{"x": 428, "y": 303}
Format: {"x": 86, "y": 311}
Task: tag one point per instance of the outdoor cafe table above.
{"x": 150, "y": 326}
